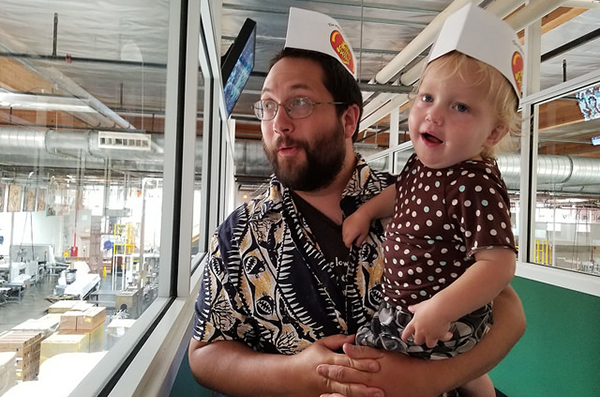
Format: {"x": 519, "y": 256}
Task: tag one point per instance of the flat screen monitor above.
{"x": 589, "y": 102}
{"x": 238, "y": 63}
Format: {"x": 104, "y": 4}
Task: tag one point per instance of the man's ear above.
{"x": 350, "y": 120}
{"x": 496, "y": 135}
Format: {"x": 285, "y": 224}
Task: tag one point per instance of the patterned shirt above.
{"x": 268, "y": 284}
{"x": 441, "y": 219}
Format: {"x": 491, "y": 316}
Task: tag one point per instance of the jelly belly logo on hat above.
{"x": 517, "y": 69}
{"x": 310, "y": 30}
{"x": 342, "y": 49}
{"x": 482, "y": 35}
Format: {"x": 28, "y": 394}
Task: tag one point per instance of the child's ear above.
{"x": 496, "y": 135}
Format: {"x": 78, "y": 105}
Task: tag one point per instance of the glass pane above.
{"x": 81, "y": 137}
{"x": 197, "y": 218}
{"x": 567, "y": 213}
{"x": 400, "y": 159}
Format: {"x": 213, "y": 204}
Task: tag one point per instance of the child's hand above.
{"x": 428, "y": 325}
{"x": 355, "y": 229}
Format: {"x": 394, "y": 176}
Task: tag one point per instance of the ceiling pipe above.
{"x": 527, "y": 15}
{"x": 75, "y": 89}
{"x": 412, "y": 50}
{"x": 518, "y": 21}
{"x": 418, "y": 44}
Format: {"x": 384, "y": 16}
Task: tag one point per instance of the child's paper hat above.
{"x": 310, "y": 30}
{"x": 479, "y": 34}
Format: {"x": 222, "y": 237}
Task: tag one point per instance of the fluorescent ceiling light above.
{"x": 43, "y": 102}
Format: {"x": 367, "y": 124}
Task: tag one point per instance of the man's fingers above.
{"x": 362, "y": 352}
{"x": 335, "y": 342}
{"x": 341, "y": 383}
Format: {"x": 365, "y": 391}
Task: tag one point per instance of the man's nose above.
{"x": 282, "y": 123}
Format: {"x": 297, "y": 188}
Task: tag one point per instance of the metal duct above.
{"x": 566, "y": 173}
{"x": 15, "y": 141}
{"x": 76, "y": 143}
{"x": 582, "y": 173}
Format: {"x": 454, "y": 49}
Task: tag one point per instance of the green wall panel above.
{"x": 559, "y": 355}
{"x": 185, "y": 385}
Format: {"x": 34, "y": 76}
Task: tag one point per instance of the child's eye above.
{"x": 426, "y": 98}
{"x": 461, "y": 108}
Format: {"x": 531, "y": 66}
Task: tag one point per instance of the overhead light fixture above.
{"x": 43, "y": 102}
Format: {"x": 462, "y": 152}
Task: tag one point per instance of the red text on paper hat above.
{"x": 342, "y": 49}
{"x": 517, "y": 69}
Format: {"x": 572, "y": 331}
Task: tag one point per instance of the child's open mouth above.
{"x": 430, "y": 138}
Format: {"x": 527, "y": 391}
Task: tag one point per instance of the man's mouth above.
{"x": 286, "y": 148}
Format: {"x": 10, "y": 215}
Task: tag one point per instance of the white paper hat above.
{"x": 310, "y": 30}
{"x": 479, "y": 34}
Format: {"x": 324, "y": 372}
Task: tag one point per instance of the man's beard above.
{"x": 324, "y": 161}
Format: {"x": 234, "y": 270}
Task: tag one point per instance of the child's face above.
{"x": 452, "y": 120}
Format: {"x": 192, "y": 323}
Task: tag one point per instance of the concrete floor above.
{"x": 33, "y": 304}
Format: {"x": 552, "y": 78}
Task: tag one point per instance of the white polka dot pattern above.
{"x": 441, "y": 218}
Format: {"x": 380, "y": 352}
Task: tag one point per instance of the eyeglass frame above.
{"x": 287, "y": 109}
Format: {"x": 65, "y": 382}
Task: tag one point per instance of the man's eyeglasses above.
{"x": 296, "y": 108}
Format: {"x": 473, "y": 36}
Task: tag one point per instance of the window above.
{"x": 567, "y": 179}
{"x": 82, "y": 182}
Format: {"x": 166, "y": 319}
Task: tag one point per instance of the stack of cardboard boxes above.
{"x": 26, "y": 346}
{"x": 81, "y": 330}
{"x": 70, "y": 326}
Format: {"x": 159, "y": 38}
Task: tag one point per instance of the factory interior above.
{"x": 119, "y": 156}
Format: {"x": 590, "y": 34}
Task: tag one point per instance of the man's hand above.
{"x": 275, "y": 374}
{"x": 321, "y": 352}
{"x": 398, "y": 376}
{"x": 306, "y": 376}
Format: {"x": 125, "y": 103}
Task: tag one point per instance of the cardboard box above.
{"x": 21, "y": 342}
{"x": 26, "y": 346}
{"x": 82, "y": 306}
{"x": 59, "y": 342}
{"x": 69, "y": 320}
{"x": 96, "y": 337}
{"x": 62, "y": 306}
{"x": 8, "y": 371}
{"x": 91, "y": 318}
{"x": 45, "y": 325}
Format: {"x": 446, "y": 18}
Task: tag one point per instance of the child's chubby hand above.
{"x": 355, "y": 229}
{"x": 428, "y": 325}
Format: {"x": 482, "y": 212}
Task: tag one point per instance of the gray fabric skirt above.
{"x": 388, "y": 323}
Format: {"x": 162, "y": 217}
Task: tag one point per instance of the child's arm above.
{"x": 356, "y": 227}
{"x": 479, "y": 285}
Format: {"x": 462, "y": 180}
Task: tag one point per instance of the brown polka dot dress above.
{"x": 441, "y": 218}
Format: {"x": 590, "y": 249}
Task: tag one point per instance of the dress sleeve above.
{"x": 479, "y": 205}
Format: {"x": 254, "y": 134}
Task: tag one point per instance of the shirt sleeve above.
{"x": 479, "y": 204}
{"x": 218, "y": 312}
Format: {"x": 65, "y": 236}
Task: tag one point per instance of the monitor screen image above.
{"x": 238, "y": 63}
{"x": 589, "y": 102}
